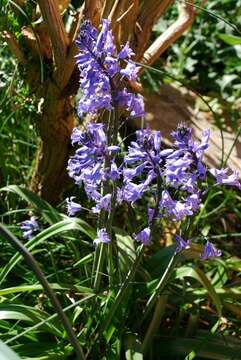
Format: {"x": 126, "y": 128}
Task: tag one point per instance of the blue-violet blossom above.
{"x": 100, "y": 71}
{"x": 102, "y": 237}
{"x": 143, "y": 236}
{"x": 210, "y": 251}
{"x": 29, "y": 227}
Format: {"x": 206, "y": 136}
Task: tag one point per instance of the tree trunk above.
{"x": 55, "y": 127}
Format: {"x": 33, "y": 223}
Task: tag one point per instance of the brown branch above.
{"x": 56, "y": 30}
{"x": 93, "y": 10}
{"x": 184, "y": 21}
{"x": 14, "y": 46}
{"x": 74, "y": 30}
{"x": 107, "y": 6}
{"x": 150, "y": 12}
{"x": 118, "y": 9}
{"x": 127, "y": 21}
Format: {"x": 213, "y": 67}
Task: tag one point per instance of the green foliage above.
{"x": 207, "y": 59}
{"x": 142, "y": 306}
{"x": 211, "y": 65}
{"x": 17, "y": 133}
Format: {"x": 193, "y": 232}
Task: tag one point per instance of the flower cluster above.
{"x": 101, "y": 72}
{"x": 178, "y": 168}
{"x": 92, "y": 164}
{"x": 173, "y": 176}
{"x": 180, "y": 171}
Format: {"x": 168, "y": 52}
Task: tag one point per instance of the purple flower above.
{"x": 87, "y": 165}
{"x": 177, "y": 210}
{"x": 29, "y": 227}
{"x": 223, "y": 178}
{"x": 133, "y": 103}
{"x": 193, "y": 202}
{"x": 99, "y": 65}
{"x": 102, "y": 237}
{"x": 143, "y": 236}
{"x": 132, "y": 192}
{"x": 181, "y": 243}
{"x": 126, "y": 52}
{"x": 72, "y": 207}
{"x": 103, "y": 203}
{"x": 130, "y": 71}
{"x": 182, "y": 136}
{"x": 143, "y": 156}
{"x": 210, "y": 251}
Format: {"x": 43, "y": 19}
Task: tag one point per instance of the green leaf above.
{"x": 27, "y": 313}
{"x": 26, "y": 288}
{"x": 48, "y": 212}
{"x": 64, "y": 225}
{"x": 6, "y": 353}
{"x": 126, "y": 250}
{"x": 157, "y": 263}
{"x": 200, "y": 276}
{"x": 85, "y": 260}
{"x": 230, "y": 39}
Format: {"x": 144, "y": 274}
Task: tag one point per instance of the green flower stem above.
{"x": 122, "y": 291}
{"x": 100, "y": 253}
{"x": 160, "y": 286}
{"x": 28, "y": 257}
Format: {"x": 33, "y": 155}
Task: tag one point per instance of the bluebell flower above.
{"x": 102, "y": 237}
{"x": 29, "y": 227}
{"x": 143, "y": 236}
{"x": 72, "y": 207}
{"x": 143, "y": 154}
{"x": 192, "y": 149}
{"x": 99, "y": 65}
{"x": 177, "y": 210}
{"x": 126, "y": 52}
{"x": 87, "y": 165}
{"x": 103, "y": 203}
{"x": 222, "y": 178}
{"x": 132, "y": 192}
{"x": 210, "y": 251}
{"x": 181, "y": 243}
{"x": 182, "y": 136}
{"x": 130, "y": 71}
{"x": 132, "y": 103}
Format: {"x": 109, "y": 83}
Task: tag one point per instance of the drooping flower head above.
{"x": 143, "y": 160}
{"x": 102, "y": 237}
{"x": 143, "y": 236}
{"x": 72, "y": 207}
{"x": 222, "y": 177}
{"x": 210, "y": 251}
{"x": 30, "y": 227}
{"x": 181, "y": 243}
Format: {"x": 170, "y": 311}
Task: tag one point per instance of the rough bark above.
{"x": 57, "y": 120}
{"x": 56, "y": 124}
